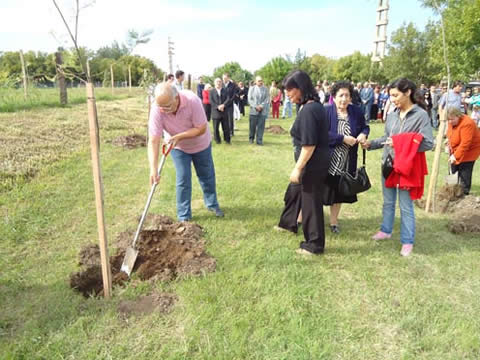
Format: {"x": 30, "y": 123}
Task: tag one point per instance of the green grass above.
{"x": 360, "y": 300}
{"x": 12, "y": 100}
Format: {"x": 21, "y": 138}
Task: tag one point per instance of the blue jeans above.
{"x": 435, "y": 118}
{"x": 287, "y": 107}
{"x": 203, "y": 163}
{"x": 407, "y": 215}
{"x": 257, "y": 125}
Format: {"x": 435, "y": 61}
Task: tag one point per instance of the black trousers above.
{"x": 241, "y": 107}
{"x": 229, "y": 116}
{"x": 208, "y": 111}
{"x": 465, "y": 170}
{"x": 306, "y": 197}
{"x": 225, "y": 128}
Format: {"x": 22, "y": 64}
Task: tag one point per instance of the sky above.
{"x": 207, "y": 33}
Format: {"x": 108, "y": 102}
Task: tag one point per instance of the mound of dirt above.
{"x": 276, "y": 129}
{"x": 162, "y": 302}
{"x": 465, "y": 222}
{"x": 465, "y": 216}
{"x": 167, "y": 249}
{"x": 445, "y": 199}
{"x": 130, "y": 141}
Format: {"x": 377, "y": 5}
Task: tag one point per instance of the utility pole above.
{"x": 170, "y": 54}
{"x": 381, "y": 31}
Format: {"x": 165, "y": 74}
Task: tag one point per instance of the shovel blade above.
{"x": 129, "y": 260}
{"x": 452, "y": 179}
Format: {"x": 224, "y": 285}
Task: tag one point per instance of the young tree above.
{"x": 237, "y": 73}
{"x": 355, "y": 67}
{"x": 407, "y": 55}
{"x": 275, "y": 70}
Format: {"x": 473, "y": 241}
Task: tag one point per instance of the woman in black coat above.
{"x": 310, "y": 139}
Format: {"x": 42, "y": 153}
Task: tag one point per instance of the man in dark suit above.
{"x": 218, "y": 98}
{"x": 231, "y": 94}
{"x": 242, "y": 97}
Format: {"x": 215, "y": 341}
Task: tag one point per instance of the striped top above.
{"x": 338, "y": 162}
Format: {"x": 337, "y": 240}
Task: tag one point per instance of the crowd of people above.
{"x": 332, "y": 122}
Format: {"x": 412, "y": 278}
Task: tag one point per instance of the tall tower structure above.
{"x": 170, "y": 54}
{"x": 381, "y": 31}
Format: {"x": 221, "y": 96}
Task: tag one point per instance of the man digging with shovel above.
{"x": 179, "y": 115}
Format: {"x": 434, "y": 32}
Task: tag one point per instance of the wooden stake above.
{"x": 97, "y": 180}
{"x": 24, "y": 72}
{"x": 61, "y": 79}
{"x": 129, "y": 78}
{"x": 111, "y": 76}
{"x": 436, "y": 162}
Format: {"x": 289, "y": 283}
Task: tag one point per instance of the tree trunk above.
{"x": 97, "y": 180}
{"x": 189, "y": 82}
{"x": 24, "y": 72}
{"x": 62, "y": 85}
{"x": 129, "y": 79}
{"x": 111, "y": 76}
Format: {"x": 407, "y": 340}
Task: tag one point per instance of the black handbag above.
{"x": 351, "y": 185}
{"x": 387, "y": 166}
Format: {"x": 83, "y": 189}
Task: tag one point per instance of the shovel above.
{"x": 131, "y": 253}
{"x": 451, "y": 179}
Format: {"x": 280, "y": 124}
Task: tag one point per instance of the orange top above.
{"x": 464, "y": 140}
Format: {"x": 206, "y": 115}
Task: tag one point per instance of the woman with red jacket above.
{"x": 464, "y": 143}
{"x": 206, "y": 101}
{"x": 408, "y": 134}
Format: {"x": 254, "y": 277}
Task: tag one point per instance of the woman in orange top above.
{"x": 464, "y": 142}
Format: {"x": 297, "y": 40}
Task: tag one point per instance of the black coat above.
{"x": 231, "y": 90}
{"x": 216, "y": 100}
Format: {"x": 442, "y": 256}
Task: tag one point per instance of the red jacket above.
{"x": 205, "y": 94}
{"x": 409, "y": 165}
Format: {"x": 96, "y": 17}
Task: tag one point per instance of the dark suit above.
{"x": 242, "y": 102}
{"x": 231, "y": 89}
{"x": 219, "y": 117}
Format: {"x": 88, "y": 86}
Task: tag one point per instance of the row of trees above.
{"x": 413, "y": 53}
{"x": 41, "y": 68}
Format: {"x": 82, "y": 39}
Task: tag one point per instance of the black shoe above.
{"x": 335, "y": 229}
{"x": 218, "y": 212}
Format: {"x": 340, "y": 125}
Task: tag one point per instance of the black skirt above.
{"x": 331, "y": 194}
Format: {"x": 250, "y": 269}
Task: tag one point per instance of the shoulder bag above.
{"x": 351, "y": 185}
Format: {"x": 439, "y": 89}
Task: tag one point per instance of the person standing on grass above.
{"x": 464, "y": 144}
{"x": 276, "y": 97}
{"x": 454, "y": 98}
{"x": 179, "y": 78}
{"x": 179, "y": 116}
{"x": 408, "y": 123}
{"x": 435, "y": 100}
{"x": 310, "y": 139}
{"x": 347, "y": 129}
{"x": 231, "y": 89}
{"x": 366, "y": 94}
{"x": 242, "y": 96}
{"x": 218, "y": 97}
{"x": 200, "y": 87}
{"x": 258, "y": 100}
{"x": 206, "y": 101}
{"x": 287, "y": 105}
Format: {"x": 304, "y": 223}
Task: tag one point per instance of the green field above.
{"x": 360, "y": 300}
{"x": 12, "y": 100}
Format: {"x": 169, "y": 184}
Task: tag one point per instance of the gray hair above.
{"x": 165, "y": 88}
